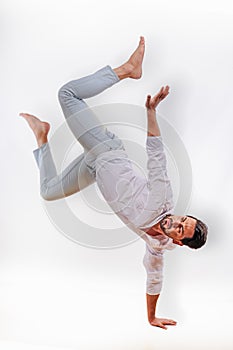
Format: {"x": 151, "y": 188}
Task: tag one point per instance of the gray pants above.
{"x": 87, "y": 129}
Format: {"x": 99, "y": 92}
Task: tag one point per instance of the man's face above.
{"x": 178, "y": 227}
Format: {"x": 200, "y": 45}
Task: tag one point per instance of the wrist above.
{"x": 151, "y": 110}
{"x": 151, "y": 318}
{"x": 151, "y": 315}
{"x": 151, "y": 113}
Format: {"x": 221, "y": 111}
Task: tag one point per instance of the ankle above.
{"x": 124, "y": 71}
{"x": 42, "y": 140}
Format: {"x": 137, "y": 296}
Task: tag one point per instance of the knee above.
{"x": 64, "y": 92}
{"x": 45, "y": 194}
{"x": 46, "y": 197}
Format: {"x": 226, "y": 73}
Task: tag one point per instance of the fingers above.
{"x": 162, "y": 326}
{"x": 160, "y": 91}
{"x": 165, "y": 322}
{"x": 153, "y": 102}
{"x": 159, "y": 324}
{"x": 169, "y": 322}
{"x": 164, "y": 91}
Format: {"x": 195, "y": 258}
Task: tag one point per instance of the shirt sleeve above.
{"x": 158, "y": 182}
{"x": 153, "y": 263}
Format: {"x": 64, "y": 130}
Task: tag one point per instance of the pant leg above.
{"x": 87, "y": 129}
{"x": 82, "y": 121}
{"x": 71, "y": 94}
{"x": 72, "y": 179}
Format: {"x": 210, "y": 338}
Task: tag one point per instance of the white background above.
{"x": 55, "y": 294}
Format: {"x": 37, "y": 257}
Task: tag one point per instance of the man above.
{"x": 144, "y": 205}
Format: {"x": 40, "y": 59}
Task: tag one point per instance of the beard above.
{"x": 165, "y": 224}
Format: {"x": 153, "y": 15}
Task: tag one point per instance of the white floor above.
{"x": 53, "y": 311}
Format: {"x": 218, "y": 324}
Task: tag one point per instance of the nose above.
{"x": 177, "y": 224}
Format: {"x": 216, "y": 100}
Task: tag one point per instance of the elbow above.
{"x": 153, "y": 288}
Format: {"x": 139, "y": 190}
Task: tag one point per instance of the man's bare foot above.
{"x": 133, "y": 67}
{"x": 39, "y": 128}
{"x": 135, "y": 61}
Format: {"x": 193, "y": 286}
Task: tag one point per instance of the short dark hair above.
{"x": 199, "y": 237}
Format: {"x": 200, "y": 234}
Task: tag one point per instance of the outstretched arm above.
{"x": 151, "y": 104}
{"x": 153, "y": 263}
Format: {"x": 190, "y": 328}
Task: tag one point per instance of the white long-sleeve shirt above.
{"x": 140, "y": 202}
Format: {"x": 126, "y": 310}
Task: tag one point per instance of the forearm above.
{"x": 152, "y": 124}
{"x": 151, "y": 306}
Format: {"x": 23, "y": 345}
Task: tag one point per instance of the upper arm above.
{"x": 153, "y": 263}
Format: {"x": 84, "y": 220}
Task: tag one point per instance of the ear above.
{"x": 177, "y": 242}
